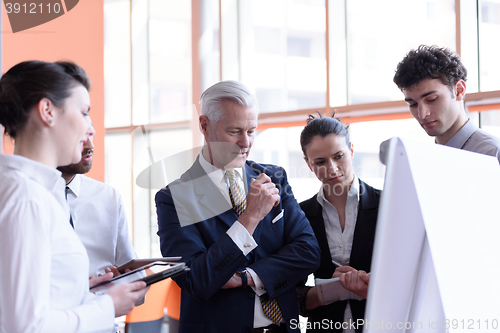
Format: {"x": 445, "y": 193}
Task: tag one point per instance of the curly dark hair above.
{"x": 322, "y": 126}
{"x": 25, "y": 84}
{"x": 429, "y": 62}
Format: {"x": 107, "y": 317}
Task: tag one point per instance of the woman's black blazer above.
{"x": 361, "y": 253}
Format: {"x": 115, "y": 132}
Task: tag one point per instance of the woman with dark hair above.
{"x": 44, "y": 286}
{"x": 343, "y": 216}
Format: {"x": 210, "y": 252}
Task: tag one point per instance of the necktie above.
{"x": 238, "y": 198}
{"x": 272, "y": 310}
{"x": 239, "y": 202}
{"x": 70, "y": 218}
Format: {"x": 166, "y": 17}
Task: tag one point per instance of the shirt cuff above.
{"x": 344, "y": 294}
{"x": 259, "y": 288}
{"x": 240, "y": 236}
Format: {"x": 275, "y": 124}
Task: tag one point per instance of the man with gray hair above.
{"x": 237, "y": 226}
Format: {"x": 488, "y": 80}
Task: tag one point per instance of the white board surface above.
{"x": 436, "y": 264}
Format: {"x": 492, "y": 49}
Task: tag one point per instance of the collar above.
{"x": 353, "y": 191}
{"x": 463, "y": 134}
{"x": 41, "y": 173}
{"x": 75, "y": 184}
{"x": 217, "y": 175}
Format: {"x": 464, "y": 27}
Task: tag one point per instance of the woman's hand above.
{"x": 356, "y": 282}
{"x": 342, "y": 269}
{"x": 125, "y": 296}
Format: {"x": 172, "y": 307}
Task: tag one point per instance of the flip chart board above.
{"x": 436, "y": 264}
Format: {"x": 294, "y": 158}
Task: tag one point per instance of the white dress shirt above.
{"x": 44, "y": 266}
{"x": 340, "y": 242}
{"x": 239, "y": 234}
{"x": 100, "y": 223}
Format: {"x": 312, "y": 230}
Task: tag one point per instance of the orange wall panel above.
{"x": 78, "y": 35}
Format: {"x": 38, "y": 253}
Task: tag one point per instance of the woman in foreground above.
{"x": 343, "y": 216}
{"x": 44, "y": 285}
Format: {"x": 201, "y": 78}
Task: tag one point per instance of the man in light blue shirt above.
{"x": 432, "y": 80}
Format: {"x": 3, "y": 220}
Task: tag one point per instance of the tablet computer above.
{"x": 136, "y": 263}
{"x": 161, "y": 270}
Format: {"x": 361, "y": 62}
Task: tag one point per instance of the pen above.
{"x": 336, "y": 263}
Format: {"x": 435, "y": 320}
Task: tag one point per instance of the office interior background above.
{"x": 150, "y": 60}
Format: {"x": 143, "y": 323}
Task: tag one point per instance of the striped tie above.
{"x": 272, "y": 310}
{"x": 239, "y": 202}
{"x": 238, "y": 197}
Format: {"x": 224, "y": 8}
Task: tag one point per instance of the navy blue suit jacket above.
{"x": 287, "y": 251}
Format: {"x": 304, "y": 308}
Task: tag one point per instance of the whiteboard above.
{"x": 436, "y": 264}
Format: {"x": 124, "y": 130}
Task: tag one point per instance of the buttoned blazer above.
{"x": 361, "y": 252}
{"x": 287, "y": 250}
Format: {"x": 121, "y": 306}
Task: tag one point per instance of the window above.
{"x": 488, "y": 121}
{"x": 378, "y": 38}
{"x": 489, "y": 30}
{"x": 117, "y": 73}
{"x": 170, "y": 63}
{"x": 283, "y": 53}
{"x": 366, "y": 151}
{"x": 149, "y": 41}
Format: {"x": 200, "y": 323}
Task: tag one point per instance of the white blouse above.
{"x": 340, "y": 242}
{"x": 44, "y": 283}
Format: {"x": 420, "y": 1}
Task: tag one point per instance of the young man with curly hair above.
{"x": 432, "y": 80}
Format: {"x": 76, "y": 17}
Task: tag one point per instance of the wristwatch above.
{"x": 244, "y": 280}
